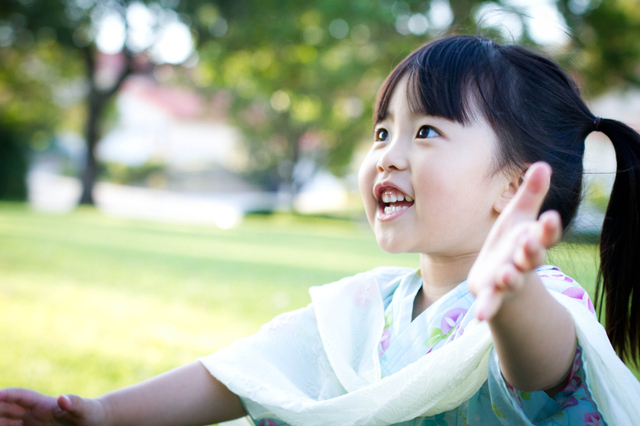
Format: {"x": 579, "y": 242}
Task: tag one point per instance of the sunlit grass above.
{"x": 90, "y": 303}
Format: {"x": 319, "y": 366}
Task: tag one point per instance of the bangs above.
{"x": 444, "y": 80}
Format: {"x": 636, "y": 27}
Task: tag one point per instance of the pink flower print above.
{"x": 580, "y": 294}
{"x": 267, "y": 422}
{"x": 572, "y": 401}
{"x": 577, "y": 361}
{"x": 451, "y": 318}
{"x": 592, "y": 419}
{"x": 514, "y": 393}
{"x": 384, "y": 342}
{"x": 573, "y": 384}
{"x": 457, "y": 333}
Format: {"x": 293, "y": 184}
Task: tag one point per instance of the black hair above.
{"x": 537, "y": 113}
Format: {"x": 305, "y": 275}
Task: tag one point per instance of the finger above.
{"x": 532, "y": 191}
{"x": 70, "y": 405}
{"x": 24, "y": 397}
{"x": 487, "y": 303}
{"x": 550, "y": 228}
{"x": 65, "y": 402}
{"x": 529, "y": 253}
{"x": 10, "y": 410}
{"x": 509, "y": 278}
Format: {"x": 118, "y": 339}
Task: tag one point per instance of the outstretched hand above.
{"x": 29, "y": 408}
{"x": 516, "y": 244}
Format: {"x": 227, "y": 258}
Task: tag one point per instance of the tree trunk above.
{"x": 96, "y": 103}
{"x": 90, "y": 173}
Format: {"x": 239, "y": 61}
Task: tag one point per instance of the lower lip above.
{"x": 384, "y": 217}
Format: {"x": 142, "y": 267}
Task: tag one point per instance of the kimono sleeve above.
{"x": 573, "y": 405}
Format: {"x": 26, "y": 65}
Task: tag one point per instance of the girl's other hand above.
{"x": 29, "y": 408}
{"x": 516, "y": 244}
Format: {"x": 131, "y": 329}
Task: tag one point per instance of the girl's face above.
{"x": 428, "y": 184}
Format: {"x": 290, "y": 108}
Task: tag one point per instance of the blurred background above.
{"x": 174, "y": 173}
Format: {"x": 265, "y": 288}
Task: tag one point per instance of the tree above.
{"x": 604, "y": 50}
{"x": 301, "y": 76}
{"x": 28, "y": 113}
{"x": 73, "y": 25}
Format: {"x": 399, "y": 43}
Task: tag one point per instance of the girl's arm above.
{"x": 187, "y": 395}
{"x": 533, "y": 334}
{"x": 535, "y": 339}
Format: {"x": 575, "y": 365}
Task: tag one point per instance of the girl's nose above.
{"x": 394, "y": 158}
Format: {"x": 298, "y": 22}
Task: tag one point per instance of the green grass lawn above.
{"x": 90, "y": 303}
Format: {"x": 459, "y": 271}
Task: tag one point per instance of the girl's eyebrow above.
{"x": 387, "y": 116}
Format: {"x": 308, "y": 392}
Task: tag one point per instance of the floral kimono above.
{"x": 355, "y": 356}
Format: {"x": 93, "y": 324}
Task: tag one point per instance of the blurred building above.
{"x": 190, "y": 158}
{"x": 167, "y": 125}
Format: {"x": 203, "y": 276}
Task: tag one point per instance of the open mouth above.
{"x": 392, "y": 201}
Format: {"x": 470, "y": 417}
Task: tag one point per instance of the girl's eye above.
{"x": 381, "y": 135}
{"x": 427, "y": 132}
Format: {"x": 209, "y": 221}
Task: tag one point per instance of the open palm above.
{"x": 29, "y": 408}
{"x": 516, "y": 244}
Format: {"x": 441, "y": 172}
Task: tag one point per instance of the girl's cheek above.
{"x": 361, "y": 180}
{"x": 365, "y": 183}
{"x": 366, "y": 174}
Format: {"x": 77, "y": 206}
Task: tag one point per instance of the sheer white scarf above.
{"x": 319, "y": 365}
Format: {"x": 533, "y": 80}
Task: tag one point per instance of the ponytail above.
{"x": 618, "y": 285}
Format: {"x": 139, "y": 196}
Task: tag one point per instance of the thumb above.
{"x": 533, "y": 190}
{"x": 71, "y": 404}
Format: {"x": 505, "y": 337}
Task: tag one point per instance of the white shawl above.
{"x": 319, "y": 365}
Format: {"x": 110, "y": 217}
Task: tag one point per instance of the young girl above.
{"x": 472, "y": 141}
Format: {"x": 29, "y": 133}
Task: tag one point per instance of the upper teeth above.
{"x": 390, "y": 196}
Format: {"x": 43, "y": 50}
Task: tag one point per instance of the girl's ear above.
{"x": 512, "y": 184}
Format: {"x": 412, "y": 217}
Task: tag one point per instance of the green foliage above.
{"x": 598, "y": 195}
{"x": 68, "y": 30}
{"x": 28, "y": 113}
{"x": 604, "y": 51}
{"x": 300, "y": 77}
{"x": 13, "y": 166}
{"x": 303, "y": 77}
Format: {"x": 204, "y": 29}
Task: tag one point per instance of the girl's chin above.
{"x": 392, "y": 246}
